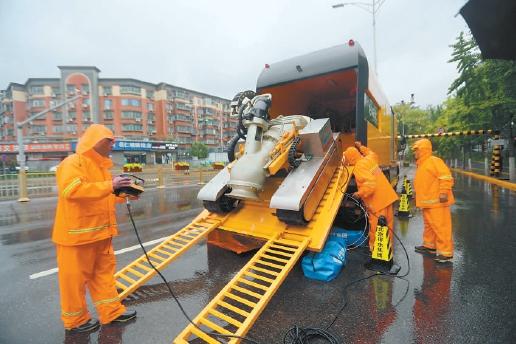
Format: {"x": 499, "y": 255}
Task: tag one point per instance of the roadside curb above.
{"x": 502, "y": 183}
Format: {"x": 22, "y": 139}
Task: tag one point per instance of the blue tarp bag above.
{"x": 352, "y": 237}
{"x": 326, "y": 265}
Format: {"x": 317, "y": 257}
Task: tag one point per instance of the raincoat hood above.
{"x": 352, "y": 155}
{"x": 91, "y": 136}
{"x": 424, "y": 147}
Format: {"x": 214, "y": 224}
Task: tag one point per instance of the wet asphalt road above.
{"x": 470, "y": 301}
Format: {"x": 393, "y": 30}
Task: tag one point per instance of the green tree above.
{"x": 199, "y": 149}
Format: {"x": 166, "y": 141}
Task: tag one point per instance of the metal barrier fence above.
{"x": 44, "y": 184}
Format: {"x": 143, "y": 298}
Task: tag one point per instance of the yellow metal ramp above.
{"x": 235, "y": 309}
{"x": 139, "y": 271}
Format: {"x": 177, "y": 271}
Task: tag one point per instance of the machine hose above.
{"x": 230, "y": 149}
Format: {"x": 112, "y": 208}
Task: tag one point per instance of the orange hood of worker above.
{"x": 91, "y": 136}
{"x": 352, "y": 155}
{"x": 424, "y": 147}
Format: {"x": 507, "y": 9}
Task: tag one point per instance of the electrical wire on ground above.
{"x": 128, "y": 204}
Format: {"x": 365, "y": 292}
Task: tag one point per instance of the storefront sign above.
{"x": 38, "y": 147}
{"x": 139, "y": 146}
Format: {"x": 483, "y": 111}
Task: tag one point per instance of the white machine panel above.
{"x": 215, "y": 187}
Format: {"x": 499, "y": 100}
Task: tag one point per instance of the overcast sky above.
{"x": 220, "y": 47}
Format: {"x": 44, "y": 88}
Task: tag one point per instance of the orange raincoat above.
{"x": 373, "y": 188}
{"x": 433, "y": 178}
{"x": 84, "y": 226}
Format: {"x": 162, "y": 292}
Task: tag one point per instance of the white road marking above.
{"x": 123, "y": 250}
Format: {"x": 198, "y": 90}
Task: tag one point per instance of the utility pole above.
{"x": 372, "y": 8}
{"x": 22, "y": 175}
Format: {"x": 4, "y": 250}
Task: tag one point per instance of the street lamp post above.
{"x": 22, "y": 176}
{"x": 372, "y": 8}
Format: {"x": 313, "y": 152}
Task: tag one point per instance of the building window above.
{"x": 183, "y": 129}
{"x": 130, "y": 90}
{"x": 56, "y": 91}
{"x": 110, "y": 127}
{"x": 70, "y": 89}
{"x": 86, "y": 115}
{"x": 36, "y": 90}
{"x": 150, "y": 106}
{"x": 179, "y": 94}
{"x": 371, "y": 111}
{"x": 108, "y": 104}
{"x": 151, "y": 129}
{"x": 132, "y": 127}
{"x": 131, "y": 115}
{"x": 151, "y": 117}
{"x": 72, "y": 115}
{"x": 150, "y": 94}
{"x": 107, "y": 90}
{"x": 181, "y": 106}
{"x": 71, "y": 128}
{"x": 37, "y": 102}
{"x": 38, "y": 129}
{"x": 130, "y": 102}
{"x": 57, "y": 116}
{"x": 108, "y": 114}
{"x": 59, "y": 128}
{"x": 85, "y": 88}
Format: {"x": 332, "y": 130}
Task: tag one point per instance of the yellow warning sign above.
{"x": 382, "y": 246}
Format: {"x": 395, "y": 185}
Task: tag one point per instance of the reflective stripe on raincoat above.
{"x": 432, "y": 178}
{"x": 85, "y": 208}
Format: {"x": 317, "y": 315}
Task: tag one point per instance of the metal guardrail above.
{"x": 44, "y": 183}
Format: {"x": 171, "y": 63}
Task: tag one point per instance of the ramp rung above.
{"x": 252, "y": 284}
{"x": 283, "y": 248}
{"x": 120, "y": 285}
{"x": 233, "y": 308}
{"x": 204, "y": 336}
{"x": 135, "y": 272}
{"x": 251, "y": 303}
{"x": 247, "y": 292}
{"x": 163, "y": 254}
{"x": 240, "y": 299}
{"x": 276, "y": 266}
{"x": 127, "y": 278}
{"x": 274, "y": 258}
{"x": 214, "y": 326}
{"x": 224, "y": 317}
{"x": 265, "y": 279}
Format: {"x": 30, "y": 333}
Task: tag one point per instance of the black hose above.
{"x": 230, "y": 149}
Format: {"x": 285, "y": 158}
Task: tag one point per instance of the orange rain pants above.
{"x": 438, "y": 230}
{"x": 373, "y": 222}
{"x": 92, "y": 265}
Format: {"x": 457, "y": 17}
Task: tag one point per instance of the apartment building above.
{"x": 136, "y": 111}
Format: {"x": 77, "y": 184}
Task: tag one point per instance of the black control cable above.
{"x": 217, "y": 335}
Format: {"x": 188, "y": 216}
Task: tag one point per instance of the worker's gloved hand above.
{"x": 443, "y": 198}
{"x": 120, "y": 182}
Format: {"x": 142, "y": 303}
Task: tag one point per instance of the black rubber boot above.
{"x": 90, "y": 325}
{"x": 125, "y": 317}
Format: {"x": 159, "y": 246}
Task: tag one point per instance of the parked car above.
{"x": 18, "y": 168}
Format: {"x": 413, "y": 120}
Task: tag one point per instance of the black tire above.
{"x": 292, "y": 160}
{"x": 223, "y": 205}
{"x": 292, "y": 217}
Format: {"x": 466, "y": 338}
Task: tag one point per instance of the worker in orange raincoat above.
{"x": 83, "y": 229}
{"x": 433, "y": 186}
{"x": 373, "y": 188}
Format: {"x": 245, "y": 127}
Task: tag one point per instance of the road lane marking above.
{"x": 123, "y": 250}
